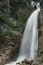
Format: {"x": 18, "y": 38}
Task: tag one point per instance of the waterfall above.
{"x": 29, "y": 45}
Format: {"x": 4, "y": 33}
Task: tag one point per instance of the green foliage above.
{"x": 19, "y": 25}
{"x": 5, "y": 18}
{"x": 4, "y": 34}
{"x": 7, "y": 33}
{"x": 10, "y": 23}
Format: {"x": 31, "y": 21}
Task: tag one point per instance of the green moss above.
{"x": 5, "y": 18}
{"x": 7, "y": 33}
{"x": 19, "y": 25}
{"x": 4, "y": 34}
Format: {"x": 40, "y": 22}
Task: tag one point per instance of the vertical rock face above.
{"x": 41, "y": 31}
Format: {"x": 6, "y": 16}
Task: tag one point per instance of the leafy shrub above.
{"x": 4, "y": 34}
{"x": 19, "y": 25}
{"x": 7, "y": 33}
{"x": 5, "y": 17}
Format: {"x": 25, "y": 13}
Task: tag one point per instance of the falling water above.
{"x": 29, "y": 45}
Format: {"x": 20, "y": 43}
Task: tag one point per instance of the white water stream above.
{"x": 29, "y": 45}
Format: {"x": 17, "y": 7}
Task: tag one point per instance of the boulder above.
{"x": 28, "y": 61}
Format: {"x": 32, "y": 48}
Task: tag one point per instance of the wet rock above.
{"x": 40, "y": 19}
{"x": 41, "y": 64}
{"x": 17, "y": 63}
{"x": 28, "y": 61}
{"x": 11, "y": 44}
{"x": 35, "y": 63}
{"x": 39, "y": 59}
{"x": 7, "y": 38}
